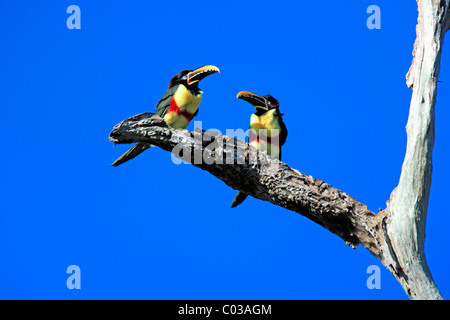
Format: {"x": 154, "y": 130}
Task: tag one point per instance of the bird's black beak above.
{"x": 257, "y": 101}
{"x": 201, "y": 73}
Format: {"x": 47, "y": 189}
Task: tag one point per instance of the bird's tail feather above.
{"x": 134, "y": 151}
{"x": 240, "y": 197}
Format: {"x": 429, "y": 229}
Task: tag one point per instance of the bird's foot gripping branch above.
{"x": 256, "y": 174}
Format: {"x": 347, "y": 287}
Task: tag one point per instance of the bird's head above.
{"x": 191, "y": 78}
{"x": 262, "y": 104}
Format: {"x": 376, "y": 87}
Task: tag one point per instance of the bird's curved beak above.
{"x": 201, "y": 73}
{"x": 257, "y": 101}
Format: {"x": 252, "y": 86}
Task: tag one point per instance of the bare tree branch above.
{"x": 403, "y": 250}
{"x": 395, "y": 235}
{"x": 265, "y": 178}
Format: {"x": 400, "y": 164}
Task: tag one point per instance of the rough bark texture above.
{"x": 267, "y": 179}
{"x": 395, "y": 235}
{"x": 404, "y": 225}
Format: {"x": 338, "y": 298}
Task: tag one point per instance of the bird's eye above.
{"x": 268, "y": 102}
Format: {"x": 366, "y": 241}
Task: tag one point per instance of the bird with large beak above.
{"x": 267, "y": 131}
{"x": 178, "y": 105}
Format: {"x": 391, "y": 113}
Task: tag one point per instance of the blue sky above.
{"x": 151, "y": 229}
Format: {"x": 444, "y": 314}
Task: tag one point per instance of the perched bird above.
{"x": 274, "y": 133}
{"x": 178, "y": 105}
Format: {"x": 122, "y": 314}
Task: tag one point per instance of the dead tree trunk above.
{"x": 395, "y": 235}
{"x": 404, "y": 225}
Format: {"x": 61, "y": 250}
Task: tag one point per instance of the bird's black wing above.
{"x": 161, "y": 109}
{"x": 164, "y": 103}
{"x": 283, "y": 133}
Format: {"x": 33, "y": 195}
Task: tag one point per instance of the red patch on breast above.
{"x": 175, "y": 108}
{"x": 253, "y": 137}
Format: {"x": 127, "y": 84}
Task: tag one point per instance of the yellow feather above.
{"x": 185, "y": 100}
{"x": 270, "y": 124}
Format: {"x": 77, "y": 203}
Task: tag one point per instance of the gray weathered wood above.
{"x": 404, "y": 226}
{"x": 265, "y": 178}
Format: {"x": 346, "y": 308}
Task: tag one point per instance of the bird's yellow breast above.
{"x": 186, "y": 100}
{"x": 266, "y": 121}
{"x": 265, "y": 126}
{"x": 175, "y": 120}
{"x": 187, "y": 103}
